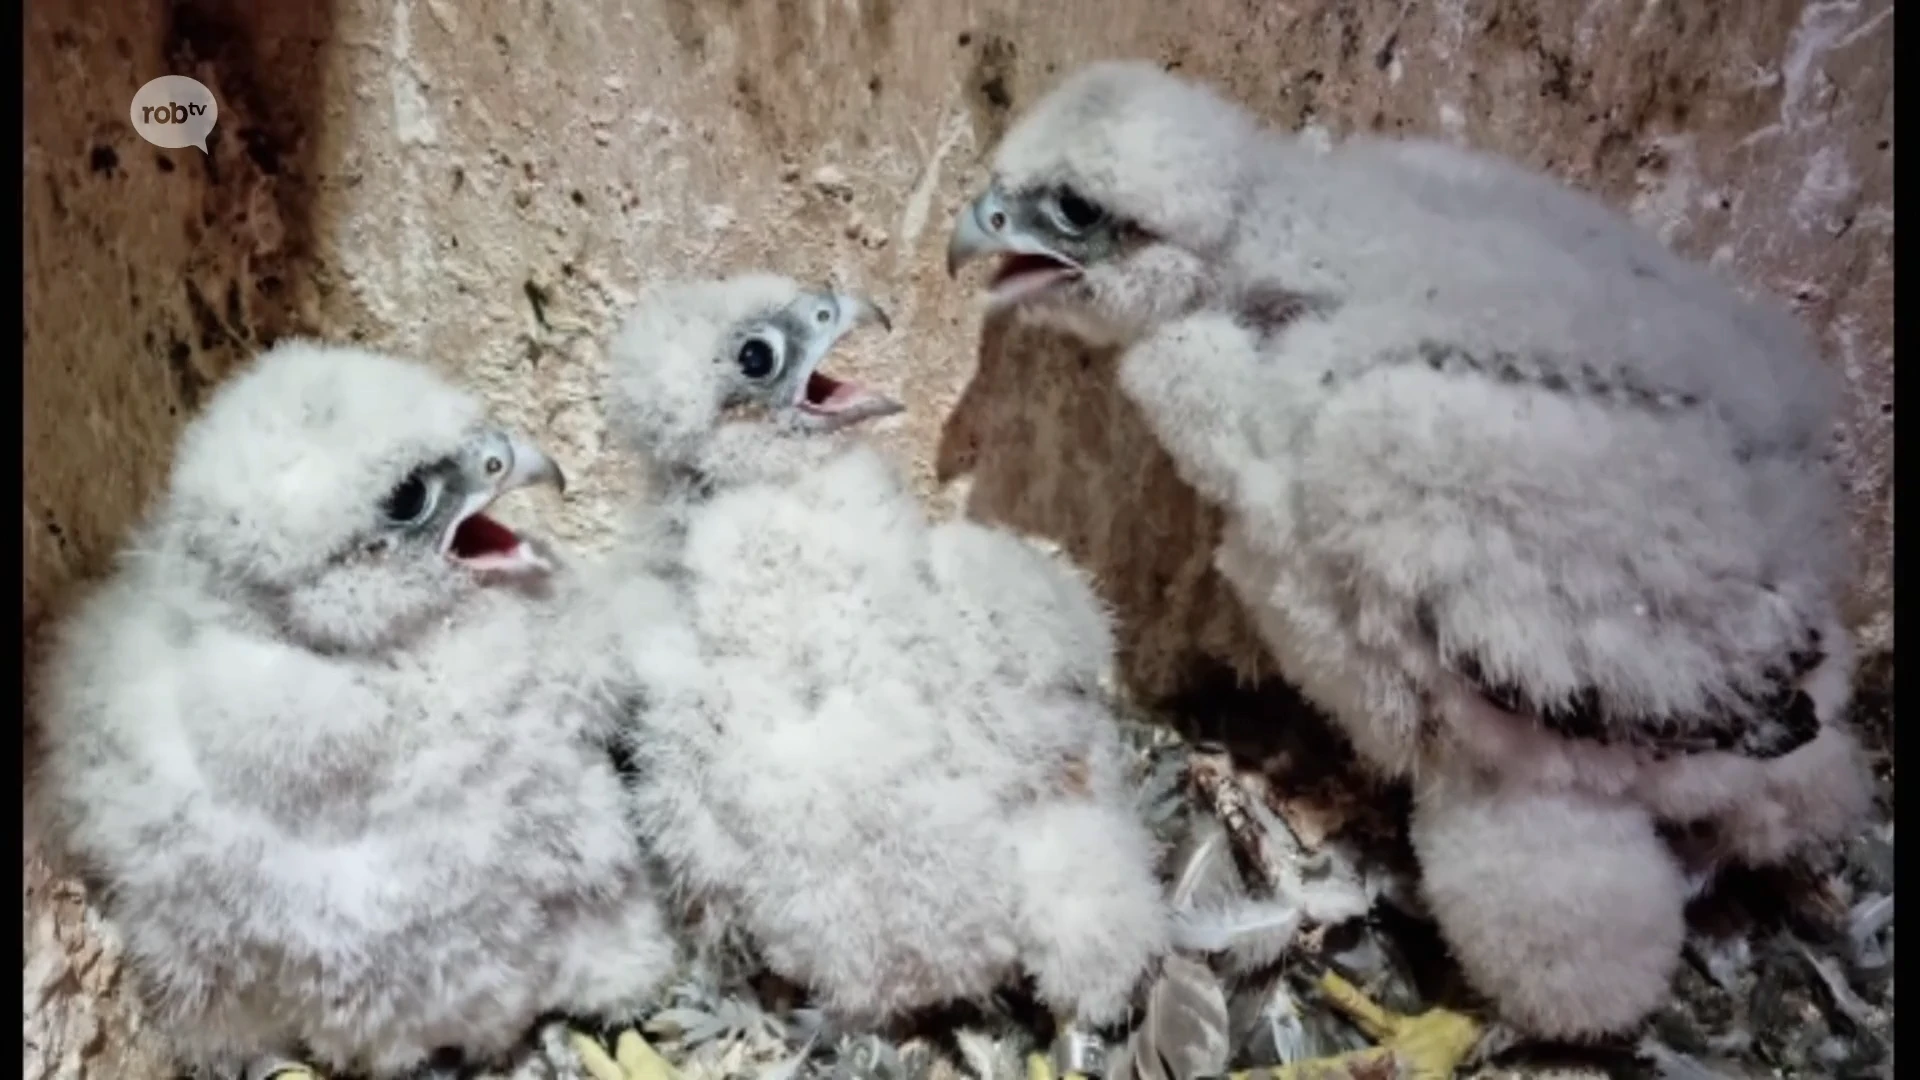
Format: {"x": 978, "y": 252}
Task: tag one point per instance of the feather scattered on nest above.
{"x": 1211, "y": 912}
{"x": 1184, "y": 1032}
{"x": 869, "y": 1057}
{"x": 1201, "y": 870}
{"x": 990, "y": 1058}
{"x": 1248, "y": 936}
{"x": 1246, "y": 892}
{"x": 1849, "y": 1004}
{"x": 1212, "y": 776}
{"x": 1870, "y": 933}
{"x": 1272, "y": 1024}
{"x": 1666, "y": 1063}
{"x": 1161, "y": 799}
{"x": 790, "y": 1068}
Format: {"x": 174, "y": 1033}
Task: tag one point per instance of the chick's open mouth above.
{"x": 479, "y": 536}
{"x": 826, "y": 395}
{"x": 480, "y": 542}
{"x": 1024, "y": 274}
{"x": 832, "y": 403}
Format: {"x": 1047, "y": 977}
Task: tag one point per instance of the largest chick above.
{"x": 1534, "y": 509}
{"x": 308, "y": 748}
{"x": 880, "y": 748}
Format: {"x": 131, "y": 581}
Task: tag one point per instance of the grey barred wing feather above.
{"x": 1773, "y": 725}
{"x": 1578, "y": 542}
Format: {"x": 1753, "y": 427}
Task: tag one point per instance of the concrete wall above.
{"x": 486, "y": 184}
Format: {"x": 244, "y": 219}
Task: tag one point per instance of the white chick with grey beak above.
{"x": 309, "y": 749}
{"x": 881, "y": 748}
{"x": 1536, "y": 510}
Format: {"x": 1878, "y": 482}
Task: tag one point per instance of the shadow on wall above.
{"x": 1056, "y": 450}
{"x": 150, "y": 273}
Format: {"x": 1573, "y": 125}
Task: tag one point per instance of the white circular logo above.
{"x": 174, "y": 111}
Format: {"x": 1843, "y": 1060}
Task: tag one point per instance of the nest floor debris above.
{"x": 1787, "y": 972}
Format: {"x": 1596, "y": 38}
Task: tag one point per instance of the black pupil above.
{"x": 756, "y": 359}
{"x": 406, "y": 502}
{"x": 1079, "y": 212}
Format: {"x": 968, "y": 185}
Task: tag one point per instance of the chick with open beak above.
{"x": 1047, "y": 237}
{"x": 702, "y": 373}
{"x": 1114, "y": 200}
{"x": 489, "y": 467}
{"x": 777, "y": 359}
{"x": 1068, "y": 260}
{"x": 876, "y": 745}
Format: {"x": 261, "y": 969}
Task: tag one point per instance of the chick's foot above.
{"x": 633, "y": 1058}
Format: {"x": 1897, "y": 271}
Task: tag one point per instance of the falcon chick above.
{"x": 1535, "y": 509}
{"x": 879, "y": 748}
{"x": 308, "y": 749}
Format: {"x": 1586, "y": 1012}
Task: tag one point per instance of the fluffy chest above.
{"x": 320, "y": 736}
{"x": 830, "y": 564}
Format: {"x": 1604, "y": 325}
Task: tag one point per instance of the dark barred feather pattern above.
{"x": 1768, "y": 726}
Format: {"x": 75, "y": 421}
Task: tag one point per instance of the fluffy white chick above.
{"x": 1535, "y": 509}
{"x": 879, "y": 748}
{"x": 309, "y": 750}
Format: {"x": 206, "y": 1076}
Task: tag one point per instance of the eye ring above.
{"x": 409, "y": 502}
{"x": 757, "y": 359}
{"x": 494, "y": 465}
{"x": 1076, "y": 211}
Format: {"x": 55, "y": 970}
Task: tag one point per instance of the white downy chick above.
{"x": 880, "y": 747}
{"x": 310, "y": 751}
{"x": 1536, "y": 510}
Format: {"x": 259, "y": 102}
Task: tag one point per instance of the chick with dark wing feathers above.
{"x": 1533, "y": 508}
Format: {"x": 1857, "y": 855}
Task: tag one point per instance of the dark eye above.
{"x": 406, "y": 503}
{"x": 756, "y": 359}
{"x": 1078, "y": 212}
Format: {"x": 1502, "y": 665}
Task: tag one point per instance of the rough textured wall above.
{"x": 150, "y": 274}
{"x": 486, "y": 183}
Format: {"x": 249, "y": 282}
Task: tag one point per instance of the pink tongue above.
{"x": 827, "y": 392}
{"x": 841, "y": 394}
{"x": 1015, "y": 266}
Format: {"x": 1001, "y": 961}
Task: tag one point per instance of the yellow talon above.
{"x": 633, "y": 1058}
{"x": 1430, "y": 1046}
{"x": 1040, "y": 1067}
{"x": 293, "y": 1072}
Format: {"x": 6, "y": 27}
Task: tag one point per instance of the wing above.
{"x": 1505, "y": 247}
{"x": 1777, "y": 722}
{"x": 1574, "y": 539}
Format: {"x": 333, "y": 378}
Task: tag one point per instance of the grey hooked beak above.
{"x": 506, "y": 461}
{"x": 979, "y": 229}
{"x": 828, "y": 403}
{"x": 987, "y": 227}
{"x": 830, "y": 316}
{"x": 525, "y": 464}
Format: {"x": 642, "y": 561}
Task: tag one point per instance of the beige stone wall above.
{"x": 485, "y": 184}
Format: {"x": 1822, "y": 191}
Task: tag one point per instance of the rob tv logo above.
{"x": 174, "y": 111}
